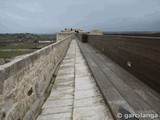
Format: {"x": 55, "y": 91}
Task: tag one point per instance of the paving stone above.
{"x": 86, "y": 87}
{"x": 86, "y": 94}
{"x": 59, "y": 110}
{"x": 89, "y": 102}
{"x": 58, "y": 103}
{"x": 75, "y": 95}
{"x": 62, "y": 116}
{"x": 89, "y": 113}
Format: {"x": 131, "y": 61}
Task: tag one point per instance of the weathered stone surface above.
{"x": 2, "y": 61}
{"x": 24, "y": 81}
{"x": 75, "y": 95}
{"x": 88, "y": 101}
{"x": 59, "y": 105}
{"x": 62, "y": 35}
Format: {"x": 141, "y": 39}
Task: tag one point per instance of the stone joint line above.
{"x": 75, "y": 95}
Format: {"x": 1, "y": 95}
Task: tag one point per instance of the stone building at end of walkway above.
{"x": 96, "y": 32}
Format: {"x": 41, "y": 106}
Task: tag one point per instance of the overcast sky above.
{"x": 49, "y": 16}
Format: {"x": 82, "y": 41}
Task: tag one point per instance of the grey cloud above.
{"x": 42, "y": 16}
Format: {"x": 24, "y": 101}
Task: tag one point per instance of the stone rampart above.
{"x": 62, "y": 35}
{"x": 24, "y": 81}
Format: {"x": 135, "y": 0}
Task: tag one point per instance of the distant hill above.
{"x": 24, "y": 37}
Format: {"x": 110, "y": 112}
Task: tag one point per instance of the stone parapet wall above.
{"x": 24, "y": 81}
{"x": 62, "y": 35}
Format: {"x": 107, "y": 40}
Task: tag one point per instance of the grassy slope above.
{"x": 26, "y": 43}
{"x": 11, "y": 54}
{"x": 24, "y": 46}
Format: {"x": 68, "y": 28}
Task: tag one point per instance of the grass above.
{"x": 24, "y": 46}
{"x": 12, "y": 45}
{"x": 12, "y": 54}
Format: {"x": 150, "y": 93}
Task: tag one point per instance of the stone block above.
{"x": 24, "y": 81}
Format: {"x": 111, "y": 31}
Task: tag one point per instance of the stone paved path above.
{"x": 75, "y": 95}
